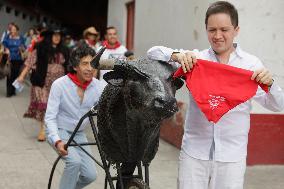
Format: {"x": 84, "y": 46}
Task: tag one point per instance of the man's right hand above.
{"x": 61, "y": 150}
{"x": 187, "y": 60}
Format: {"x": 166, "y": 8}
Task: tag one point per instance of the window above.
{"x": 8, "y": 9}
{"x": 17, "y": 12}
{"x": 24, "y": 16}
{"x": 38, "y": 19}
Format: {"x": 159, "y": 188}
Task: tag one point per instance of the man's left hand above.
{"x": 262, "y": 76}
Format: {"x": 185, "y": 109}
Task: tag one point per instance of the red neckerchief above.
{"x": 108, "y": 46}
{"x": 218, "y": 88}
{"x": 75, "y": 80}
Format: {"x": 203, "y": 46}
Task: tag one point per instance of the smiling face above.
{"x": 221, "y": 33}
{"x": 111, "y": 36}
{"x": 84, "y": 70}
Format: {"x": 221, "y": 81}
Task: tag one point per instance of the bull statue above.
{"x": 139, "y": 95}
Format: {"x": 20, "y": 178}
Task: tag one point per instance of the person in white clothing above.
{"x": 214, "y": 155}
{"x": 114, "y": 49}
{"x": 72, "y": 96}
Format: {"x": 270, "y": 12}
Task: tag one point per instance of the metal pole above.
{"x": 101, "y": 152}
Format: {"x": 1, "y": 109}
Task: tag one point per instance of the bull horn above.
{"x": 96, "y": 59}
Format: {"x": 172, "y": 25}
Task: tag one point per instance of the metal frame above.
{"x": 105, "y": 164}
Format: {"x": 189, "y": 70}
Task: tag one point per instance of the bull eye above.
{"x": 176, "y": 82}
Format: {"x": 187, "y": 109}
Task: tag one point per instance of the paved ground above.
{"x": 26, "y": 163}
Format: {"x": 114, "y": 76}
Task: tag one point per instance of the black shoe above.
{"x": 10, "y": 95}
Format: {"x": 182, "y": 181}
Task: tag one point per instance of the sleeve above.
{"x": 51, "y": 113}
{"x": 23, "y": 40}
{"x": 31, "y": 59}
{"x": 101, "y": 87}
{"x": 3, "y": 36}
{"x": 164, "y": 53}
{"x": 273, "y": 100}
{"x": 5, "y": 41}
{"x": 160, "y": 53}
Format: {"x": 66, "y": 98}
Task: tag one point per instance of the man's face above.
{"x": 111, "y": 36}
{"x": 221, "y": 33}
{"x": 84, "y": 69}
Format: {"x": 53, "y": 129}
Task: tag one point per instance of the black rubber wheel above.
{"x": 137, "y": 184}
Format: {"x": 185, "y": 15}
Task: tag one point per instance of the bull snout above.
{"x": 166, "y": 105}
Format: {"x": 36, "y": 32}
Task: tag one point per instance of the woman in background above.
{"x": 48, "y": 61}
{"x": 14, "y": 43}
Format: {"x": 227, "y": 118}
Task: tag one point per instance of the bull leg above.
{"x": 126, "y": 173}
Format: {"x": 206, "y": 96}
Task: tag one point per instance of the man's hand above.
{"x": 262, "y": 76}
{"x": 187, "y": 60}
{"x": 61, "y": 150}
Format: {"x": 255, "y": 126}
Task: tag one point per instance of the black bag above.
{"x": 5, "y": 66}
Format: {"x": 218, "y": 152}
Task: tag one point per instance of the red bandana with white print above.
{"x": 218, "y": 88}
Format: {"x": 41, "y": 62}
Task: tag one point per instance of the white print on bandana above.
{"x": 214, "y": 101}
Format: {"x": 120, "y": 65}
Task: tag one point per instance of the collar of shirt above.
{"x": 238, "y": 51}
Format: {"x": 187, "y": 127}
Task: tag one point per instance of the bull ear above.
{"x": 115, "y": 78}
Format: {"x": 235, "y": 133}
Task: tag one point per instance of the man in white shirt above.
{"x": 71, "y": 97}
{"x": 114, "y": 49}
{"x": 214, "y": 155}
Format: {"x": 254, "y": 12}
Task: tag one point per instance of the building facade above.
{"x": 181, "y": 24}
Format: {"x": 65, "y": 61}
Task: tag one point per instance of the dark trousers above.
{"x": 15, "y": 72}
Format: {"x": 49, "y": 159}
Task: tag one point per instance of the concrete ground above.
{"x": 26, "y": 163}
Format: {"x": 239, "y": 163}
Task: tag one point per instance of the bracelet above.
{"x": 57, "y": 142}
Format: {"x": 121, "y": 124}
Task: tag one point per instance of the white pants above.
{"x": 202, "y": 174}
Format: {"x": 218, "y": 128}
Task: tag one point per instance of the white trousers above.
{"x": 202, "y": 174}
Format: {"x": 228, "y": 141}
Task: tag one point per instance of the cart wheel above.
{"x": 137, "y": 184}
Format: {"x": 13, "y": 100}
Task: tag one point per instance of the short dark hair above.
{"x": 110, "y": 27}
{"x": 223, "y": 7}
{"x": 78, "y": 53}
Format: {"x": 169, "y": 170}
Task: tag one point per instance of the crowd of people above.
{"x": 43, "y": 55}
{"x": 213, "y": 155}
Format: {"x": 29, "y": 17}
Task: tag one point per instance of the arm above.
{"x": 273, "y": 100}
{"x": 186, "y": 59}
{"x": 29, "y": 63}
{"x": 50, "y": 118}
{"x": 23, "y": 74}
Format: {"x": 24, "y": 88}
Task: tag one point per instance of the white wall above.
{"x": 6, "y": 18}
{"x": 117, "y": 17}
{"x": 180, "y": 24}
{"x": 24, "y": 24}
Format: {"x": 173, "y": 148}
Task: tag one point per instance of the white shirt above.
{"x": 226, "y": 140}
{"x": 117, "y": 53}
{"x": 64, "y": 107}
